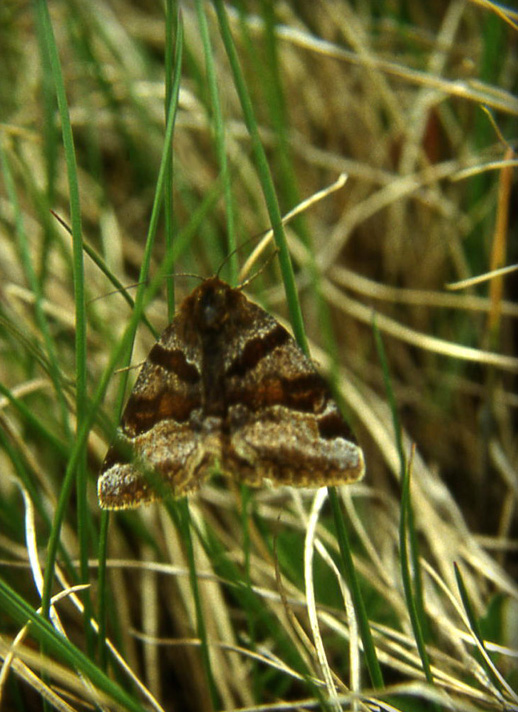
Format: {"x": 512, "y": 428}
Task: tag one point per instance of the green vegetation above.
{"x": 169, "y": 140}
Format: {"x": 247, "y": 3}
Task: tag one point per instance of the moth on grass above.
{"x": 226, "y": 388}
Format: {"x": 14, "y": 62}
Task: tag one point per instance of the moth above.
{"x": 226, "y": 388}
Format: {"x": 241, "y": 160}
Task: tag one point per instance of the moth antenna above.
{"x": 121, "y": 290}
{"x": 124, "y": 369}
{"x": 240, "y": 247}
{"x": 61, "y": 222}
{"x": 185, "y": 274}
{"x": 261, "y": 268}
{"x": 227, "y": 258}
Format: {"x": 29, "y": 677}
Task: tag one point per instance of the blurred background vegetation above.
{"x": 416, "y": 103}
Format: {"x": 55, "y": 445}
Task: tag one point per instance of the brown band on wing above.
{"x": 174, "y": 360}
{"x": 256, "y": 349}
{"x": 142, "y": 413}
{"x": 332, "y": 426}
{"x": 306, "y": 393}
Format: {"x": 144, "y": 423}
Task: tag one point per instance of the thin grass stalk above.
{"x": 123, "y": 347}
{"x": 186, "y": 530}
{"x": 83, "y": 512}
{"x": 265, "y": 179}
{"x": 19, "y": 611}
{"x": 101, "y": 264}
{"x": 415, "y": 607}
{"x": 36, "y": 286}
{"x": 173, "y": 68}
{"x": 371, "y": 658}
{"x": 102, "y": 604}
{"x": 488, "y": 665}
{"x": 219, "y": 137}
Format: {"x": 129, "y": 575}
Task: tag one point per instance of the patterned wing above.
{"x": 156, "y": 430}
{"x": 226, "y": 384}
{"x": 283, "y": 424}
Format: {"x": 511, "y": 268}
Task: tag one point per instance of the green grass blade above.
{"x": 58, "y": 646}
{"x": 101, "y": 264}
{"x": 173, "y": 73}
{"x": 76, "y": 454}
{"x": 36, "y": 288}
{"x": 83, "y": 512}
{"x": 265, "y": 179}
{"x": 275, "y": 101}
{"x": 413, "y": 599}
{"x": 485, "y": 658}
{"x": 413, "y": 590}
{"x": 181, "y": 516}
{"x": 155, "y": 212}
{"x": 219, "y": 130}
{"x": 102, "y": 608}
{"x": 371, "y": 659}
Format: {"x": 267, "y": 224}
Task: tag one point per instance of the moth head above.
{"x": 212, "y": 304}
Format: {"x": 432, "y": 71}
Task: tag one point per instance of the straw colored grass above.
{"x": 242, "y": 600}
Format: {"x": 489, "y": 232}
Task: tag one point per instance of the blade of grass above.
{"x": 19, "y": 611}
{"x": 371, "y": 658}
{"x": 43, "y": 19}
{"x": 152, "y": 230}
{"x": 102, "y": 608}
{"x": 181, "y": 517}
{"x": 36, "y": 288}
{"x": 173, "y": 72}
{"x": 183, "y": 240}
{"x": 184, "y": 520}
{"x": 276, "y": 105}
{"x": 265, "y": 179}
{"x": 123, "y": 348}
{"x": 487, "y": 663}
{"x": 219, "y": 130}
{"x": 499, "y": 250}
{"x": 125, "y": 345}
{"x": 76, "y": 453}
{"x": 275, "y": 101}
{"x": 101, "y": 264}
{"x": 50, "y": 146}
{"x": 295, "y": 317}
{"x": 413, "y": 594}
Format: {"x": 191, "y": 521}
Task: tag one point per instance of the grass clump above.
{"x": 165, "y": 140}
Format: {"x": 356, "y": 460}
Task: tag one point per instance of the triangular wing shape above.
{"x": 156, "y": 430}
{"x": 284, "y": 425}
{"x": 226, "y": 385}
